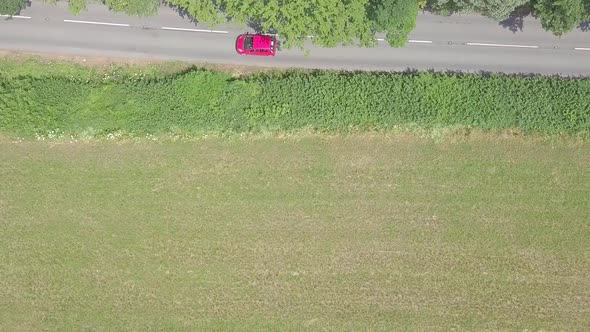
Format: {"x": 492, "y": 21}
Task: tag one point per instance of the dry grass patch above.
{"x": 38, "y": 61}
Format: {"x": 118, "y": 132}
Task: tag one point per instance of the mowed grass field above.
{"x": 300, "y": 233}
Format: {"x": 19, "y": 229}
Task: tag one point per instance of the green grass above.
{"x": 19, "y": 65}
{"x": 301, "y": 233}
{"x": 168, "y": 99}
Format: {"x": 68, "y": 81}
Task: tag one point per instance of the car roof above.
{"x": 262, "y": 42}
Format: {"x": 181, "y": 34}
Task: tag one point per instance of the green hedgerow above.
{"x": 203, "y": 101}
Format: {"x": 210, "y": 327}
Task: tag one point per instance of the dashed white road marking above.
{"x": 502, "y": 45}
{"x": 276, "y": 35}
{"x": 194, "y": 30}
{"x": 17, "y": 16}
{"x": 97, "y": 23}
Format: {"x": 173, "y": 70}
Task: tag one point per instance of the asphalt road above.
{"x": 468, "y": 43}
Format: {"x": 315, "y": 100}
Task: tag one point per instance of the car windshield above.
{"x": 248, "y": 43}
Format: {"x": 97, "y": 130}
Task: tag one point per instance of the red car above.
{"x": 258, "y": 45}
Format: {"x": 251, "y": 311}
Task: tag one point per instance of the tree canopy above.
{"x": 12, "y": 7}
{"x": 560, "y": 16}
{"x": 397, "y": 18}
{"x": 129, "y": 7}
{"x": 335, "y": 22}
{"x": 134, "y": 7}
{"x": 331, "y": 22}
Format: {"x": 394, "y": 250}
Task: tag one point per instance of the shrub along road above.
{"x": 469, "y": 43}
{"x": 32, "y": 102}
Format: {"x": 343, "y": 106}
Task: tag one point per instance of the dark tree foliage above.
{"x": 560, "y": 16}
{"x": 331, "y": 22}
{"x": 336, "y": 22}
{"x": 397, "y": 18}
{"x": 129, "y": 7}
{"x": 12, "y": 7}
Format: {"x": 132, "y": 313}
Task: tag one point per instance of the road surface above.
{"x": 459, "y": 42}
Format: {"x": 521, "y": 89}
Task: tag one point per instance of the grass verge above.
{"x": 304, "y": 233}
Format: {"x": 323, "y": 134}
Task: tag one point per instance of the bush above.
{"x": 12, "y": 7}
{"x": 202, "y": 101}
{"x": 330, "y": 101}
{"x": 397, "y": 18}
{"x": 134, "y": 7}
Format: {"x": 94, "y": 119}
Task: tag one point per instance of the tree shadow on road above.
{"x": 182, "y": 12}
{"x": 257, "y": 26}
{"x": 515, "y": 22}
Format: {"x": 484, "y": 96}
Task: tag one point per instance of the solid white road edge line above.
{"x": 97, "y": 23}
{"x": 16, "y": 16}
{"x": 582, "y": 48}
{"x": 420, "y": 41}
{"x": 194, "y": 30}
{"x": 502, "y": 45}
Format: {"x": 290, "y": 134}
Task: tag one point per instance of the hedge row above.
{"x": 336, "y": 101}
{"x": 202, "y": 101}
